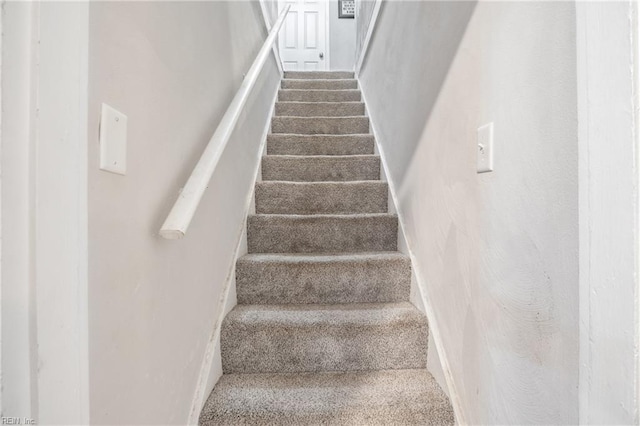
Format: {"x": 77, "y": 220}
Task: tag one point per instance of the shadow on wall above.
{"x": 420, "y": 84}
{"x": 497, "y": 254}
{"x": 173, "y": 68}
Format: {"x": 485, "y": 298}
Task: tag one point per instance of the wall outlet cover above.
{"x": 113, "y": 140}
{"x": 485, "y": 148}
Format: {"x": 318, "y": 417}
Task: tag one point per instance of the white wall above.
{"x": 342, "y": 39}
{"x": 44, "y": 205}
{"x": 608, "y": 123}
{"x": 18, "y": 310}
{"x": 497, "y": 252}
{"x": 173, "y": 68}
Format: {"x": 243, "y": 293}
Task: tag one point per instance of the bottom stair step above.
{"x": 384, "y": 397}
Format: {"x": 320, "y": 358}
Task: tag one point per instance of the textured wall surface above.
{"x": 18, "y": 358}
{"x": 498, "y": 252}
{"x": 342, "y": 39}
{"x": 44, "y": 198}
{"x": 173, "y": 68}
{"x": 609, "y": 279}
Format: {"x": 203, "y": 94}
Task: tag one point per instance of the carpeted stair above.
{"x": 324, "y": 332}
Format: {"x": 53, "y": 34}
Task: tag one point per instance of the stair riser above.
{"x": 318, "y": 74}
{"x": 321, "y": 234}
{"x": 262, "y": 348}
{"x": 317, "y": 84}
{"x": 372, "y": 398}
{"x": 310, "y": 169}
{"x": 378, "y": 416}
{"x": 283, "y": 144}
{"x": 349, "y": 281}
{"x": 319, "y": 96}
{"x": 321, "y": 198}
{"x": 319, "y": 109}
{"x": 320, "y": 125}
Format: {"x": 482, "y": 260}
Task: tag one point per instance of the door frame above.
{"x": 44, "y": 201}
{"x": 609, "y": 211}
{"x": 327, "y": 31}
{"x": 1, "y": 234}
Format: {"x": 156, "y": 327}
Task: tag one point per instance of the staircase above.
{"x": 323, "y": 332}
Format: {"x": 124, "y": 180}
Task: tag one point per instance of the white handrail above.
{"x": 176, "y": 224}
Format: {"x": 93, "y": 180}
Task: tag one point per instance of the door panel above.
{"x": 302, "y": 40}
{"x": 311, "y": 66}
{"x": 290, "y": 32}
{"x": 310, "y": 30}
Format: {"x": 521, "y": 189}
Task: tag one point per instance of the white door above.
{"x": 303, "y": 37}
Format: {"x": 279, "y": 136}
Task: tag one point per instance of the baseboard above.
{"x": 208, "y": 376}
{"x": 434, "y": 330}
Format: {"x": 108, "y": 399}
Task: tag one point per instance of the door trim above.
{"x": 327, "y": 34}
{"x": 45, "y": 205}
{"x": 609, "y": 212}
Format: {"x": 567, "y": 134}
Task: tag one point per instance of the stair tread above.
{"x": 349, "y": 124}
{"x": 263, "y": 338}
{"x": 323, "y": 117}
{"x": 320, "y": 95}
{"x": 320, "y": 79}
{"x": 321, "y": 136}
{"x": 321, "y": 168}
{"x": 332, "y": 157}
{"x": 319, "y": 109}
{"x": 319, "y": 74}
{"x": 327, "y": 197}
{"x": 322, "y": 337}
{"x": 311, "y": 145}
{"x": 319, "y": 83}
{"x": 320, "y": 90}
{"x": 332, "y": 278}
{"x": 321, "y": 102}
{"x": 324, "y": 183}
{"x": 313, "y": 217}
{"x": 314, "y": 315}
{"x": 357, "y": 397}
{"x": 322, "y": 233}
{"x": 322, "y": 257}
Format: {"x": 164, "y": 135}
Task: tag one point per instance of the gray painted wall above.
{"x": 173, "y": 68}
{"x": 342, "y": 39}
{"x": 498, "y": 252}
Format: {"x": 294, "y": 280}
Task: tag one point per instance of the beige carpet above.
{"x": 324, "y": 332}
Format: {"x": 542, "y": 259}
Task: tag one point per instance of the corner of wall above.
{"x": 439, "y": 365}
{"x": 211, "y": 369}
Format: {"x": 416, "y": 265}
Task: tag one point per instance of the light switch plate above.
{"x": 113, "y": 140}
{"x": 485, "y": 148}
